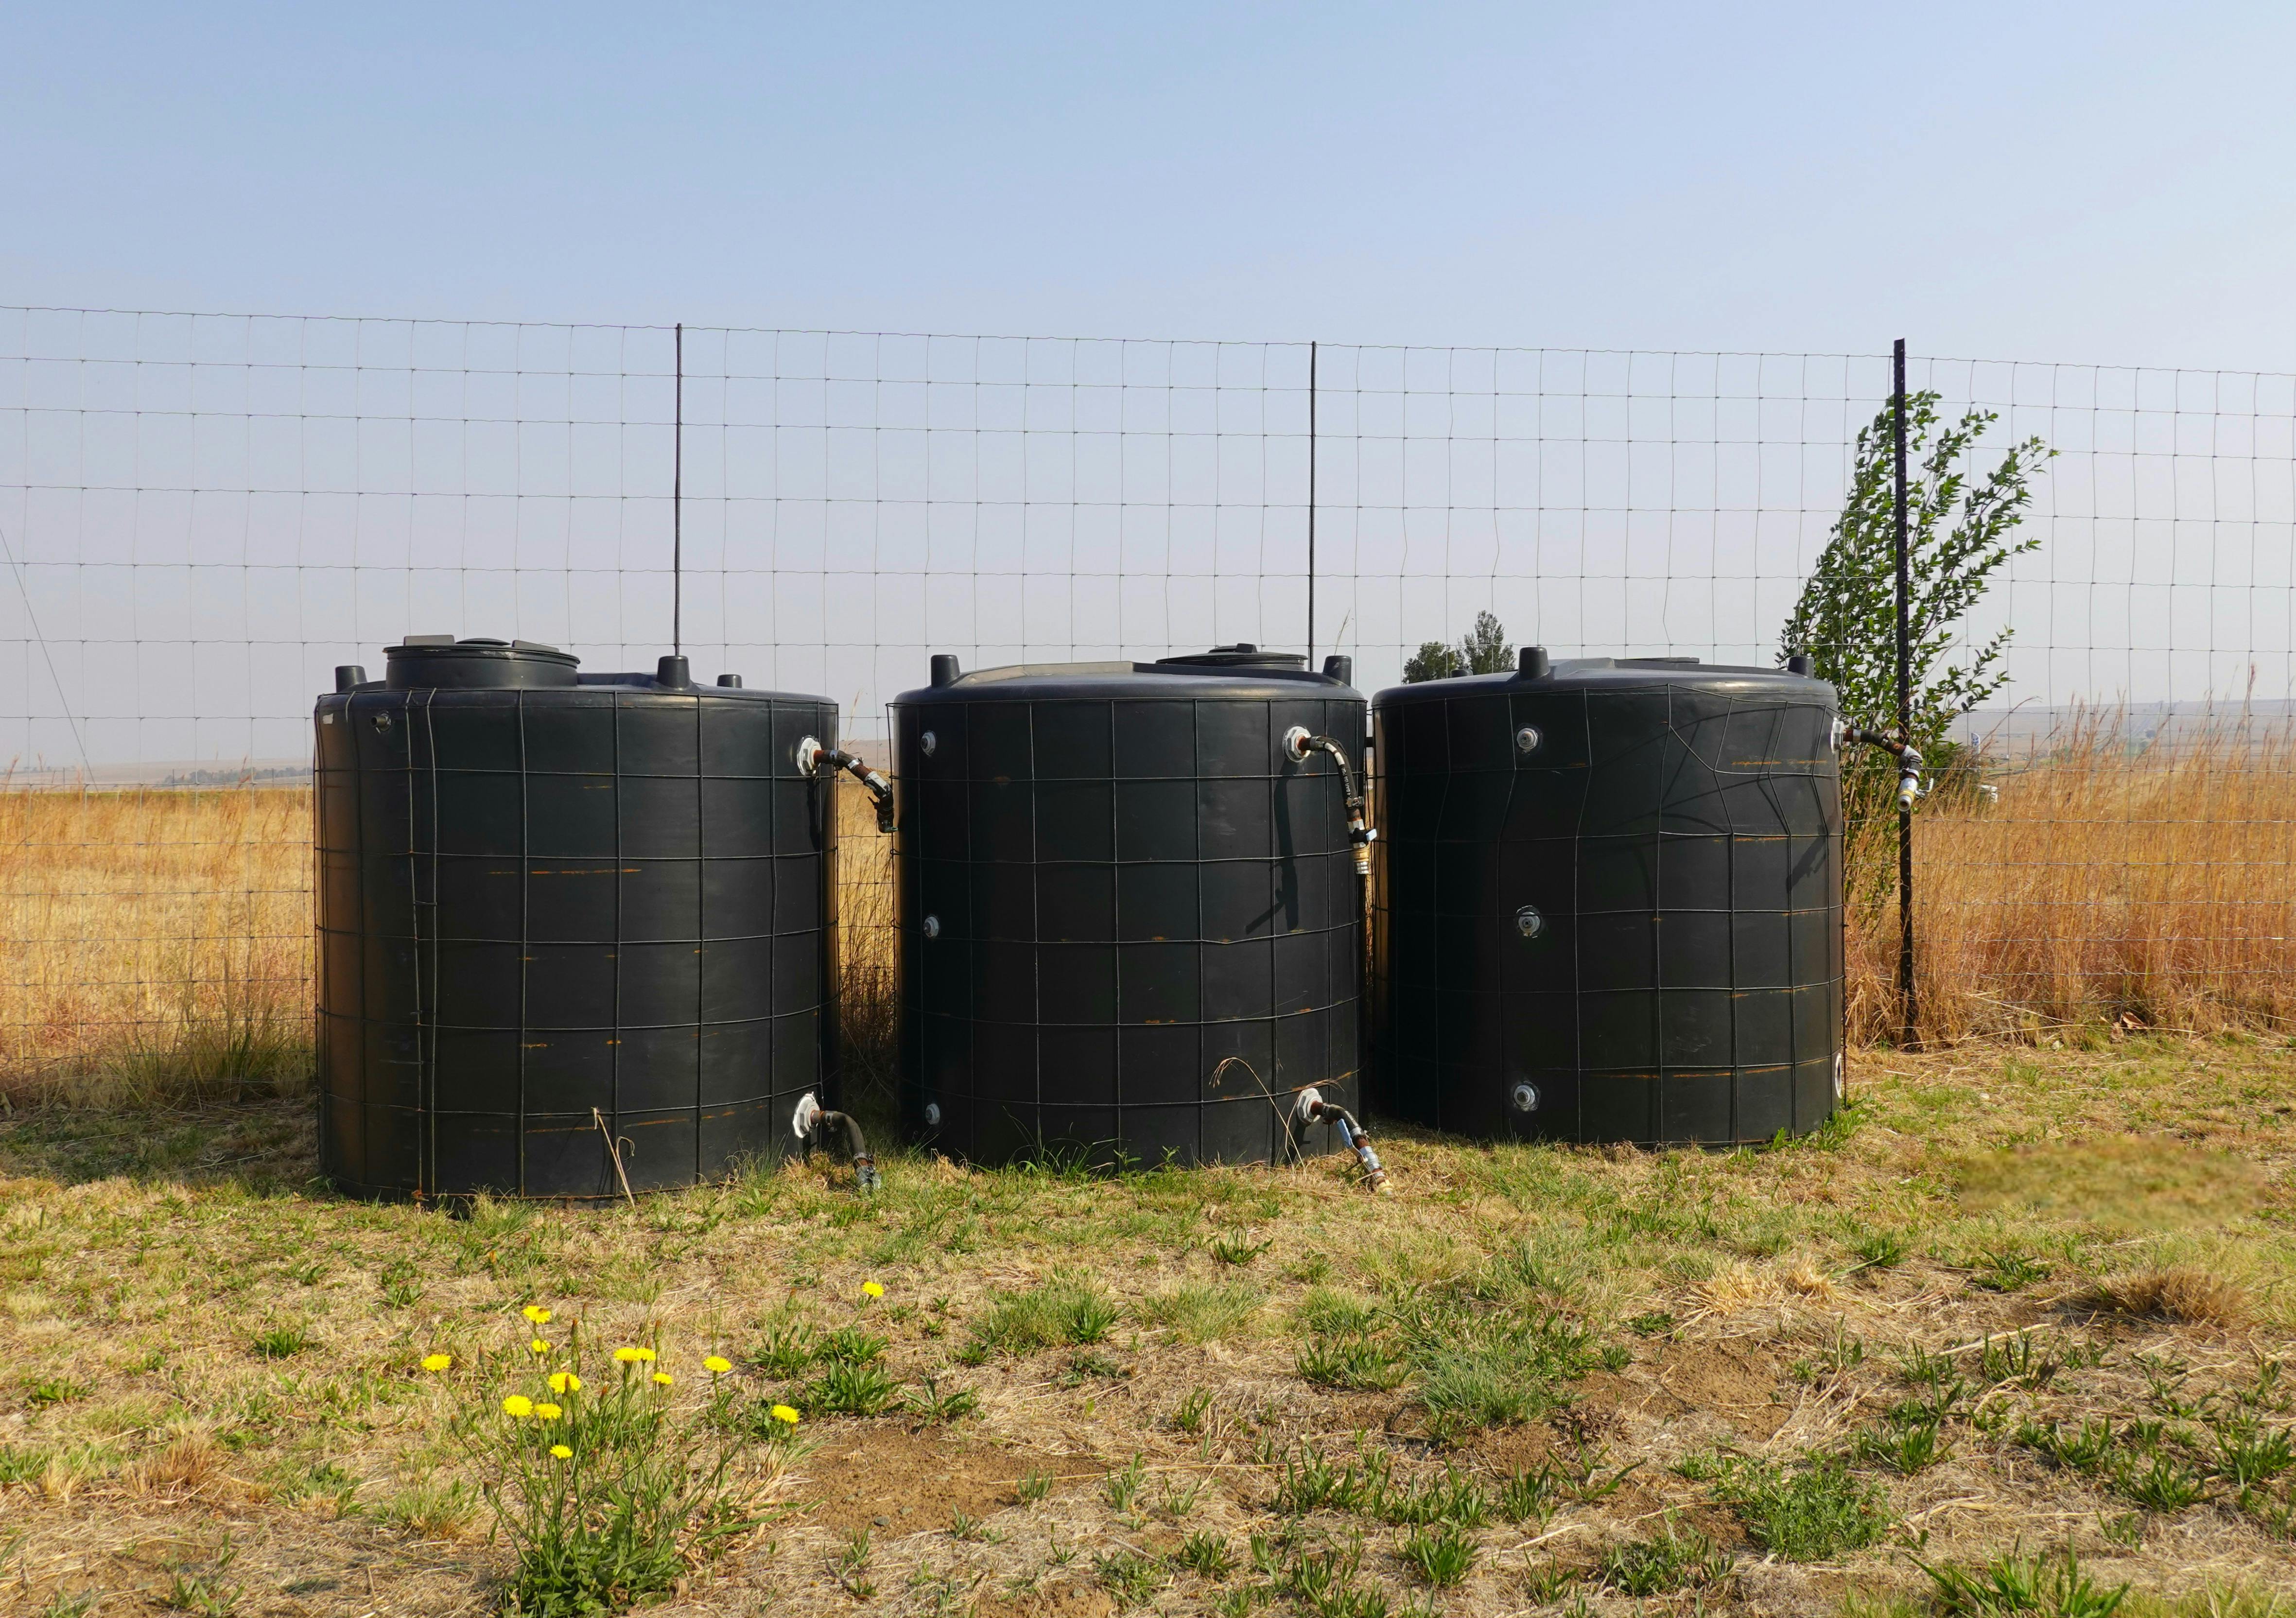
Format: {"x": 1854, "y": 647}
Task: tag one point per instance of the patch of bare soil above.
{"x": 1056, "y": 1601}
{"x": 1736, "y": 1382}
{"x": 888, "y": 1480}
{"x": 280, "y": 1565}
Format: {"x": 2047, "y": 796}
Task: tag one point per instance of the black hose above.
{"x": 1358, "y": 833}
{"x": 1358, "y": 1140}
{"x": 878, "y": 788}
{"x": 856, "y": 1145}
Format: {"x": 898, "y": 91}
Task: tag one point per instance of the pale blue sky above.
{"x": 2099, "y": 182}
{"x": 202, "y": 516}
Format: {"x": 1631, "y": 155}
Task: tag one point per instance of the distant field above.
{"x": 151, "y": 938}
{"x": 2013, "y": 1306}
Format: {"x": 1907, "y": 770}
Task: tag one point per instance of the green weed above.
{"x": 2046, "y": 1586}
{"x": 1676, "y": 1557}
{"x": 1208, "y": 1554}
{"x": 1810, "y": 1511}
{"x": 1442, "y": 1554}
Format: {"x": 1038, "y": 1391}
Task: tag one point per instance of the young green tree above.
{"x": 1482, "y": 650}
{"x": 1961, "y": 528}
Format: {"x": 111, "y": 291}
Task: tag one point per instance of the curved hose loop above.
{"x": 1312, "y": 1108}
{"x": 811, "y": 756}
{"x": 815, "y": 1125}
{"x": 1297, "y": 745}
{"x": 1908, "y": 757}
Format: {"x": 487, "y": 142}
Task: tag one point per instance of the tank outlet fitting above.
{"x": 1908, "y": 757}
{"x": 1528, "y": 922}
{"x": 1298, "y": 745}
{"x": 928, "y": 742}
{"x": 811, "y": 755}
{"x": 930, "y": 926}
{"x": 1312, "y": 1108}
{"x": 932, "y": 1114}
{"x": 1526, "y": 1097}
{"x": 1525, "y": 740}
{"x": 813, "y": 1124}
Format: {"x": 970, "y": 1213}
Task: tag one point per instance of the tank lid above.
{"x": 426, "y": 660}
{"x": 1244, "y": 655}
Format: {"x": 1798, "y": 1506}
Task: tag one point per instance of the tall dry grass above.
{"x": 154, "y": 946}
{"x": 157, "y": 945}
{"x": 2106, "y": 883}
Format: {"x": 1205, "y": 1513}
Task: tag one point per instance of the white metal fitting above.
{"x": 1526, "y": 1097}
{"x": 932, "y": 1114}
{"x": 928, "y": 742}
{"x": 1303, "y": 1108}
{"x": 1525, "y": 740}
{"x": 930, "y": 926}
{"x": 808, "y": 755}
{"x": 1528, "y": 922}
{"x": 808, "y": 1114}
{"x": 1295, "y": 743}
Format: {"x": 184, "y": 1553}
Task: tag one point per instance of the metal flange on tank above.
{"x": 576, "y": 931}
{"x": 1607, "y": 901}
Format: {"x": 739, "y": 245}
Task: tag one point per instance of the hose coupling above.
{"x": 1299, "y": 744}
{"x": 1312, "y": 1108}
{"x": 813, "y": 1126}
{"x": 812, "y": 756}
{"x": 1908, "y": 757}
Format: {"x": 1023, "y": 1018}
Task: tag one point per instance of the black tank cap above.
{"x": 946, "y": 670}
{"x": 732, "y": 682}
{"x": 1244, "y": 655}
{"x": 674, "y": 671}
{"x": 1533, "y": 663}
{"x": 441, "y": 662}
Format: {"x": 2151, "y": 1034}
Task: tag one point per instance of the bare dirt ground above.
{"x": 2018, "y": 1302}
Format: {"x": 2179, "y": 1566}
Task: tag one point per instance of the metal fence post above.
{"x": 1908, "y": 995}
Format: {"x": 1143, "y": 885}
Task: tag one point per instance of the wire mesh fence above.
{"x": 203, "y": 515}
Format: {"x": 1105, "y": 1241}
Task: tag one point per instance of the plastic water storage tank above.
{"x": 1129, "y": 913}
{"x": 1608, "y": 901}
{"x": 550, "y": 902}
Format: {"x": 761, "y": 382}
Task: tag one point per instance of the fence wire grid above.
{"x": 203, "y": 515}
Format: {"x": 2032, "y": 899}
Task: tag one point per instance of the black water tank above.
{"x": 549, "y": 900}
{"x": 1608, "y": 902}
{"x": 1130, "y": 922}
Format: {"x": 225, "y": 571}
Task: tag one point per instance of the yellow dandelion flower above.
{"x": 437, "y": 1362}
{"x": 537, "y": 1346}
{"x": 561, "y": 1452}
{"x": 548, "y": 1412}
{"x": 519, "y": 1405}
{"x": 664, "y": 1378}
{"x": 717, "y": 1365}
{"x": 783, "y": 1413}
{"x": 536, "y": 1313}
{"x": 565, "y": 1381}
{"x": 870, "y": 1289}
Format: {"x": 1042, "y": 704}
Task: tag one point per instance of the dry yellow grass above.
{"x": 2160, "y": 888}
{"x": 162, "y": 940}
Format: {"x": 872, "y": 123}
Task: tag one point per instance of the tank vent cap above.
{"x": 944, "y": 669}
{"x": 1526, "y": 1097}
{"x": 1528, "y": 922}
{"x": 1801, "y": 662}
{"x": 732, "y": 682}
{"x": 349, "y": 678}
{"x": 1534, "y": 663}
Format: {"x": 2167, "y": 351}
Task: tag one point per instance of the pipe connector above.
{"x": 813, "y": 1124}
{"x": 1311, "y": 1108}
{"x": 1298, "y": 745}
{"x": 812, "y": 756}
{"x": 1908, "y": 757}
